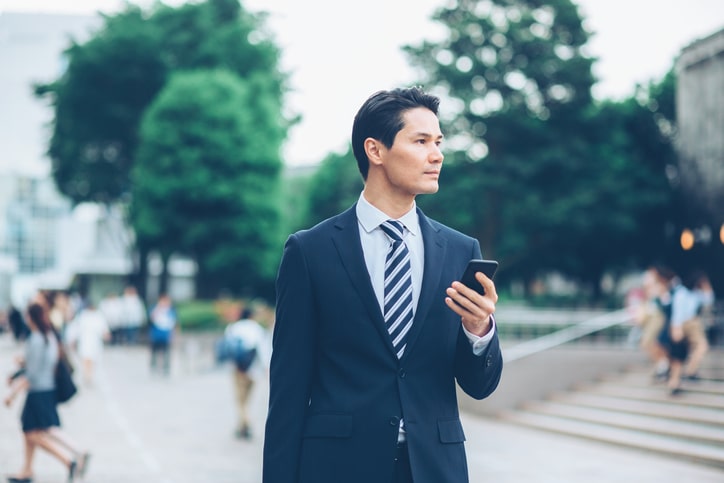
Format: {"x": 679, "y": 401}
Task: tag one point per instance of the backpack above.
{"x": 160, "y": 335}
{"x": 234, "y": 349}
{"x": 65, "y": 388}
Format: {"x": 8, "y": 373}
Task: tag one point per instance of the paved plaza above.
{"x": 145, "y": 428}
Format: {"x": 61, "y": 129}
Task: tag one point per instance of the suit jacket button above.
{"x": 394, "y": 421}
{"x": 402, "y": 373}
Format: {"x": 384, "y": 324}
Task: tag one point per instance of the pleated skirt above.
{"x": 39, "y": 411}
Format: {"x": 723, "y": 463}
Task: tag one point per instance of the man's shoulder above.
{"x": 445, "y": 230}
{"x": 324, "y": 227}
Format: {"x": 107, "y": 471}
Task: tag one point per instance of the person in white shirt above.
{"x": 686, "y": 314}
{"x": 88, "y": 333}
{"x": 134, "y": 314}
{"x": 253, "y": 337}
{"x": 112, "y": 309}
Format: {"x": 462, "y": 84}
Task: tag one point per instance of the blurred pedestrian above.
{"x": 250, "y": 364}
{"x": 88, "y": 333}
{"x": 649, "y": 317}
{"x": 699, "y": 299}
{"x": 112, "y": 309}
{"x": 164, "y": 322}
{"x": 40, "y": 421}
{"x": 674, "y": 304}
{"x": 134, "y": 314}
{"x": 60, "y": 312}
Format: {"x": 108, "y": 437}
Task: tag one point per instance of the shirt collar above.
{"x": 371, "y": 217}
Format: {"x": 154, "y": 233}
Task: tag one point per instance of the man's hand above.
{"x": 474, "y": 309}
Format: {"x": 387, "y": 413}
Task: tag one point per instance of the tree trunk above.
{"x": 163, "y": 282}
{"x": 139, "y": 277}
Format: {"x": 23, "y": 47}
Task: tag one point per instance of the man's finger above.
{"x": 488, "y": 285}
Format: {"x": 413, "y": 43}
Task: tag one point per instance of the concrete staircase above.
{"x": 629, "y": 409}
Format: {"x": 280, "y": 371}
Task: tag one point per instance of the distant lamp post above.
{"x": 687, "y": 239}
{"x": 721, "y": 233}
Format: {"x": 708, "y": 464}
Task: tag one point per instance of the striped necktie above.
{"x": 398, "y": 287}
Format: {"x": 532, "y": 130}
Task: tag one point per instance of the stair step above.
{"x": 650, "y": 424}
{"x": 664, "y": 409}
{"x": 621, "y": 437}
{"x": 657, "y": 394}
{"x": 638, "y": 379}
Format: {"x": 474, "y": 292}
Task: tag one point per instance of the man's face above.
{"x": 412, "y": 164}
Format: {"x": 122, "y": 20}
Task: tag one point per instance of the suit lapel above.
{"x": 435, "y": 250}
{"x": 346, "y": 239}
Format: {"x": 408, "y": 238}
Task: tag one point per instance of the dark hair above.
{"x": 380, "y": 117}
{"x": 37, "y": 313}
{"x": 694, "y": 278}
{"x": 247, "y": 313}
{"x": 664, "y": 272}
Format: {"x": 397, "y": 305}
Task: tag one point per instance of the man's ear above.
{"x": 374, "y": 149}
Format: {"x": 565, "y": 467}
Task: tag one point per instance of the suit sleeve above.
{"x": 478, "y": 375}
{"x": 291, "y": 368}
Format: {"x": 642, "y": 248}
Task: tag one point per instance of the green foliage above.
{"x": 543, "y": 177}
{"x": 296, "y": 183}
{"x": 98, "y": 103}
{"x": 113, "y": 77}
{"x": 208, "y": 175}
{"x": 198, "y": 315}
{"x": 206, "y": 181}
{"x": 517, "y": 86}
{"x": 335, "y": 187}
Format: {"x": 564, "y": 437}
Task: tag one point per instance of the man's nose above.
{"x": 436, "y": 155}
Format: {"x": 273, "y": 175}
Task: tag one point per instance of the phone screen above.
{"x": 488, "y": 267}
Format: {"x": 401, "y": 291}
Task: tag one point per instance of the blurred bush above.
{"x": 199, "y": 315}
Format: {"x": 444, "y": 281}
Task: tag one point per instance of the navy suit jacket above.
{"x": 337, "y": 389}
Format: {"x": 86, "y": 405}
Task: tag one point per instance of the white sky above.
{"x": 340, "y": 52}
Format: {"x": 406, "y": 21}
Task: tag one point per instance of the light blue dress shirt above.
{"x": 685, "y": 304}
{"x": 375, "y": 245}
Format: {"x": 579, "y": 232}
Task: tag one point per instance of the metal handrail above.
{"x": 559, "y": 337}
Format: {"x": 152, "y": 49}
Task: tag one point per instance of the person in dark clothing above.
{"x": 672, "y": 337}
{"x": 374, "y": 332}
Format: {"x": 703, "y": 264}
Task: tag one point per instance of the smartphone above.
{"x": 488, "y": 267}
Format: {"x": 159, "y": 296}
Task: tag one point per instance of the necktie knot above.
{"x": 393, "y": 229}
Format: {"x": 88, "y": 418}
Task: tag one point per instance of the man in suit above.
{"x": 355, "y": 397}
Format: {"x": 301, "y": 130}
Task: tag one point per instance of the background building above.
{"x": 31, "y": 49}
{"x": 44, "y": 241}
{"x": 700, "y": 120}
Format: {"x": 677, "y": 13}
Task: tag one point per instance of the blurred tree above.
{"x": 545, "y": 178}
{"x": 98, "y": 103}
{"x": 335, "y": 186}
{"x": 626, "y": 200}
{"x": 516, "y": 89}
{"x": 296, "y": 182}
{"x": 112, "y": 78}
{"x": 206, "y": 180}
{"x": 690, "y": 208}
